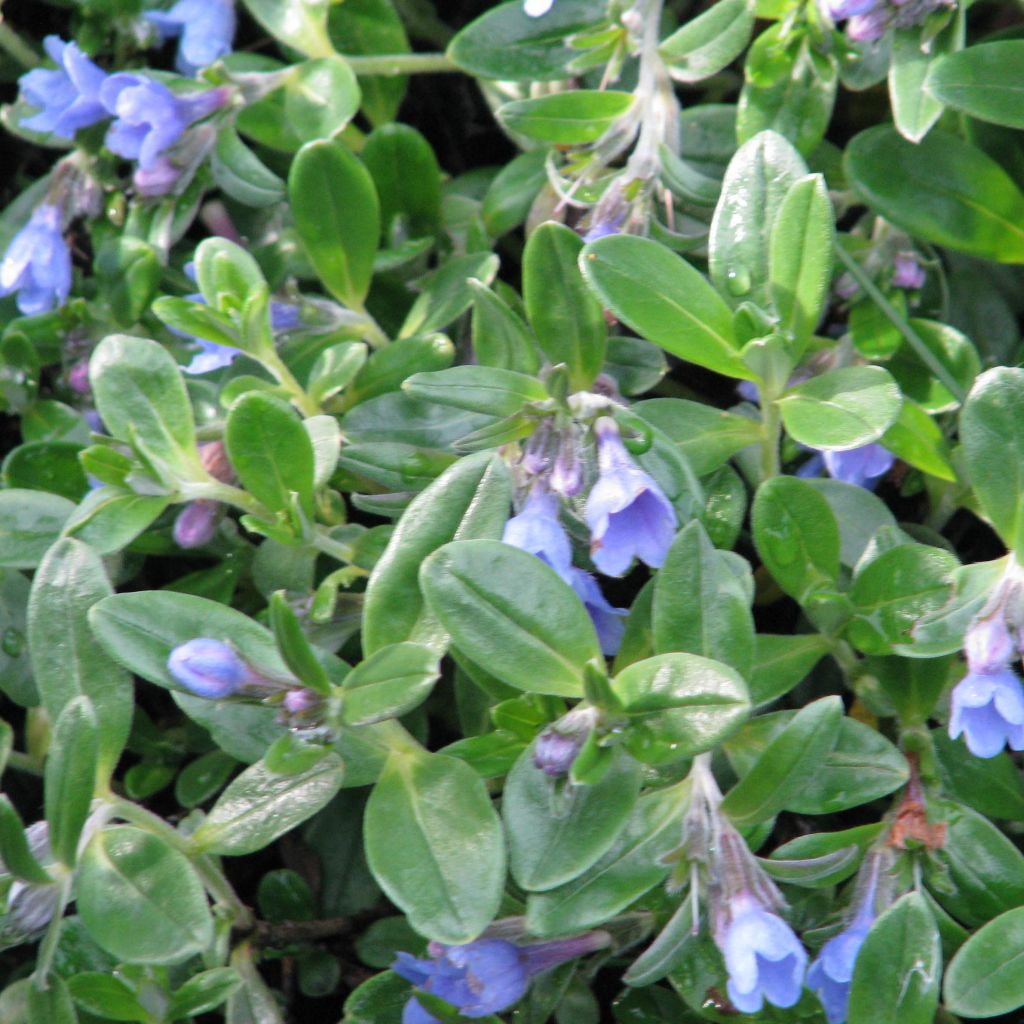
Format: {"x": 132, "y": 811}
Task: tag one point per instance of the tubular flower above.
{"x": 627, "y": 512}
{"x": 209, "y": 668}
{"x": 537, "y": 530}
{"x": 206, "y": 28}
{"x": 863, "y": 466}
{"x": 68, "y": 98}
{"x": 37, "y": 264}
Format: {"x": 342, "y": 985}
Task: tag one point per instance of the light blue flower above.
{"x": 609, "y": 622}
{"x": 628, "y": 515}
{"x": 841, "y": 9}
{"x": 37, "y": 264}
{"x": 68, "y": 98}
{"x": 867, "y": 28}
{"x": 988, "y": 709}
{"x": 988, "y": 644}
{"x": 211, "y": 356}
{"x": 480, "y": 978}
{"x": 830, "y": 975}
{"x": 537, "y": 530}
{"x": 209, "y": 668}
{"x": 149, "y": 117}
{"x": 863, "y": 466}
{"x": 763, "y": 956}
{"x": 206, "y": 28}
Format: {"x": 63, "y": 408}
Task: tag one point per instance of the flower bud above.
{"x": 209, "y": 668}
{"x": 196, "y": 523}
{"x": 557, "y": 746}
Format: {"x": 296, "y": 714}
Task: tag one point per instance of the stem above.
{"x": 329, "y": 546}
{"x": 16, "y": 47}
{"x": 771, "y": 433}
{"x": 48, "y": 947}
{"x": 275, "y": 364}
{"x": 400, "y": 64}
{"x": 912, "y": 338}
{"x": 24, "y": 763}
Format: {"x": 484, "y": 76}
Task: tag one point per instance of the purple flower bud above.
{"x": 37, "y": 264}
{"x": 988, "y": 644}
{"x": 69, "y": 97}
{"x": 78, "y": 378}
{"x": 285, "y": 316}
{"x": 863, "y": 466}
{"x": 196, "y": 523}
{"x": 907, "y": 272}
{"x": 841, "y": 9}
{"x": 763, "y": 956}
{"x": 566, "y": 476}
{"x": 609, "y": 622}
{"x": 209, "y": 668}
{"x": 537, "y": 530}
{"x": 867, "y": 28}
{"x": 557, "y": 746}
{"x": 299, "y": 701}
{"x": 158, "y": 180}
{"x": 628, "y": 515}
{"x": 149, "y": 117}
{"x": 988, "y": 708}
{"x": 206, "y": 27}
{"x": 602, "y": 229}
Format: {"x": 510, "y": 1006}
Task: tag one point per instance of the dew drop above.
{"x": 13, "y": 642}
{"x": 737, "y": 280}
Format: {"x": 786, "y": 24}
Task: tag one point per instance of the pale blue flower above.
{"x": 863, "y": 466}
{"x": 763, "y": 956}
{"x": 609, "y": 622}
{"x": 988, "y": 644}
{"x": 628, "y": 515}
{"x": 841, "y": 9}
{"x": 37, "y": 264}
{"x": 211, "y": 356}
{"x": 867, "y": 28}
{"x": 68, "y": 98}
{"x": 537, "y": 530}
{"x": 149, "y": 117}
{"x": 206, "y": 28}
{"x": 209, "y": 668}
{"x": 831, "y": 974}
{"x": 988, "y": 708}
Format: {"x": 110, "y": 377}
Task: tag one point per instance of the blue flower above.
{"x": 480, "y": 978}
{"x": 37, "y": 264}
{"x": 628, "y": 515}
{"x": 867, "y": 28}
{"x": 907, "y": 272}
{"x": 209, "y": 668}
{"x": 609, "y": 622}
{"x": 840, "y": 9}
{"x": 830, "y": 975}
{"x": 763, "y": 956}
{"x": 69, "y": 97}
{"x": 988, "y": 644}
{"x": 206, "y": 27}
{"x": 210, "y": 356}
{"x": 149, "y": 117}
{"x": 988, "y": 708}
{"x": 537, "y": 530}
{"x": 863, "y": 466}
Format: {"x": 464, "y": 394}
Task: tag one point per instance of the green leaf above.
{"x": 507, "y": 201}
{"x": 710, "y": 42}
{"x": 320, "y": 98}
{"x": 555, "y": 835}
{"x": 506, "y": 43}
{"x": 898, "y": 970}
{"x": 259, "y": 806}
{"x": 992, "y": 436}
{"x": 50, "y": 1004}
{"x": 758, "y": 178}
{"x": 30, "y": 522}
{"x": 683, "y": 702}
{"x": 800, "y": 256}
{"x": 986, "y": 977}
{"x": 664, "y": 299}
{"x": 18, "y": 859}
{"x": 142, "y": 399}
{"x": 942, "y": 189}
{"x": 270, "y": 451}
{"x": 435, "y": 845}
{"x": 445, "y": 293}
{"x": 107, "y": 996}
{"x": 565, "y": 316}
{"x": 787, "y": 763}
{"x": 915, "y": 108}
{"x": 781, "y": 662}
{"x": 390, "y": 682}
{"x": 337, "y": 215}
{"x": 470, "y": 499}
{"x": 408, "y": 179}
{"x": 297, "y": 651}
{"x": 841, "y": 409}
{"x": 571, "y": 118}
{"x": 300, "y": 24}
{"x": 204, "y": 992}
{"x": 918, "y": 440}
{"x": 108, "y": 519}
{"x": 67, "y": 660}
{"x": 141, "y": 899}
{"x": 797, "y": 536}
{"x": 240, "y": 173}
{"x": 508, "y": 610}
{"x": 981, "y": 81}
{"x": 629, "y": 868}
{"x": 700, "y": 604}
{"x": 500, "y": 337}
{"x": 484, "y": 389}
{"x": 70, "y": 777}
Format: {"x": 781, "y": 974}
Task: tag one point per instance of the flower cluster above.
{"x": 869, "y": 20}
{"x": 987, "y": 705}
{"x": 487, "y": 975}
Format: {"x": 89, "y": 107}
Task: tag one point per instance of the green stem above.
{"x": 771, "y": 435}
{"x": 912, "y": 338}
{"x": 400, "y": 64}
{"x": 322, "y": 541}
{"x": 16, "y": 47}
{"x": 276, "y": 365}
{"x": 210, "y": 875}
{"x": 24, "y": 763}
{"x": 48, "y": 946}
